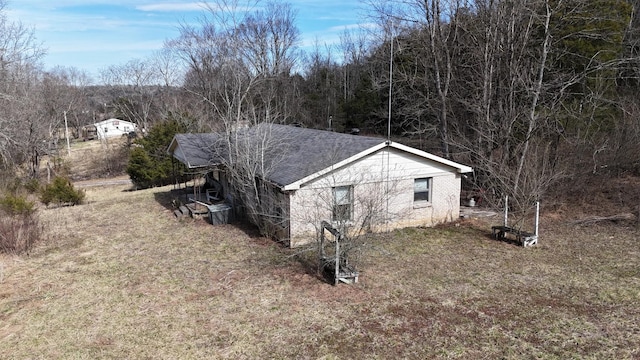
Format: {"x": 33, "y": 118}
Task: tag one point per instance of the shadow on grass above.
{"x": 505, "y": 240}
{"x": 171, "y": 199}
{"x": 479, "y": 230}
{"x": 309, "y": 263}
{"x": 305, "y": 257}
{"x": 508, "y": 241}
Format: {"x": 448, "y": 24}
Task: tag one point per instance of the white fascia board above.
{"x": 176, "y": 151}
{"x": 461, "y": 168}
{"x": 181, "y": 154}
{"x": 172, "y": 146}
{"x": 296, "y": 185}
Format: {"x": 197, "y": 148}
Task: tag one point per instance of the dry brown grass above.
{"x": 97, "y": 159}
{"x": 122, "y": 278}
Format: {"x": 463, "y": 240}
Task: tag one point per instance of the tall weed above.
{"x": 19, "y": 233}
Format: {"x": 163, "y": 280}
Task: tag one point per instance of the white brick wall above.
{"x": 372, "y": 183}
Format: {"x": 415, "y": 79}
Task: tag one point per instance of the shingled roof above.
{"x": 293, "y": 154}
{"x": 196, "y": 150}
{"x": 303, "y": 152}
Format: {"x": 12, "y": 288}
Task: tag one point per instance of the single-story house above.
{"x": 113, "y": 128}
{"x": 311, "y": 176}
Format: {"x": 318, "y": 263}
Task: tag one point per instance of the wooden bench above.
{"x": 523, "y": 237}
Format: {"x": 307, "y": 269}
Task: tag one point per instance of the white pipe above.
{"x": 506, "y": 210}
{"x": 537, "y": 216}
{"x": 390, "y": 85}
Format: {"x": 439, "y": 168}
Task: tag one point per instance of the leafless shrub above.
{"x": 626, "y": 144}
{"x": 19, "y": 233}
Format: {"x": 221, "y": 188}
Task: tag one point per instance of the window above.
{"x": 422, "y": 190}
{"x": 342, "y": 201}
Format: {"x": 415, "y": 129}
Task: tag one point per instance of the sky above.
{"x": 91, "y": 35}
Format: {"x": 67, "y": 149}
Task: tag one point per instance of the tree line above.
{"x": 528, "y": 92}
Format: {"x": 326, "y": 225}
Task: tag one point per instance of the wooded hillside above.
{"x": 530, "y": 93}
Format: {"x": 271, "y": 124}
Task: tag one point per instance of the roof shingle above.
{"x": 293, "y": 153}
{"x": 308, "y": 151}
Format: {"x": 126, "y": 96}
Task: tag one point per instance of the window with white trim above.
{"x": 342, "y": 203}
{"x": 422, "y": 190}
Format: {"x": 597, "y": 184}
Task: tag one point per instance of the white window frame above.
{"x": 342, "y": 202}
{"x": 419, "y": 190}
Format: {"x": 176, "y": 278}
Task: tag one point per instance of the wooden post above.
{"x": 337, "y": 260}
{"x": 337, "y": 237}
{"x": 506, "y": 210}
{"x": 321, "y": 251}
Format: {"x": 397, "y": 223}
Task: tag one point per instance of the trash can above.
{"x": 220, "y": 214}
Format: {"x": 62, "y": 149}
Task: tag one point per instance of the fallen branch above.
{"x": 597, "y": 219}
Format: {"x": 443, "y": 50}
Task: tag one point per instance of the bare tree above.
{"x": 137, "y": 82}
{"x": 253, "y": 154}
{"x": 520, "y": 79}
{"x": 269, "y": 40}
{"x": 526, "y": 103}
{"x": 169, "y": 72}
{"x": 431, "y": 30}
{"x": 237, "y": 61}
{"x": 64, "y": 94}
{"x": 511, "y": 96}
{"x": 238, "y": 65}
{"x": 354, "y": 45}
{"x": 323, "y": 86}
{"x": 21, "y": 133}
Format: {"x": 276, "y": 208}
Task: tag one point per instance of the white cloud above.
{"x": 192, "y": 6}
{"x": 111, "y": 46}
{"x": 172, "y": 7}
{"x": 341, "y": 28}
{"x": 91, "y": 34}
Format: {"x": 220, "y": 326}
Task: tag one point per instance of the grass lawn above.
{"x": 120, "y": 278}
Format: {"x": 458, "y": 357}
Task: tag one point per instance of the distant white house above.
{"x": 114, "y": 128}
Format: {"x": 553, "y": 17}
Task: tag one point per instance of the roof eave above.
{"x": 461, "y": 169}
{"x": 177, "y": 153}
{"x": 172, "y": 145}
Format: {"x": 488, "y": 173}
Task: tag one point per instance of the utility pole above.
{"x": 66, "y": 134}
{"x": 390, "y": 85}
